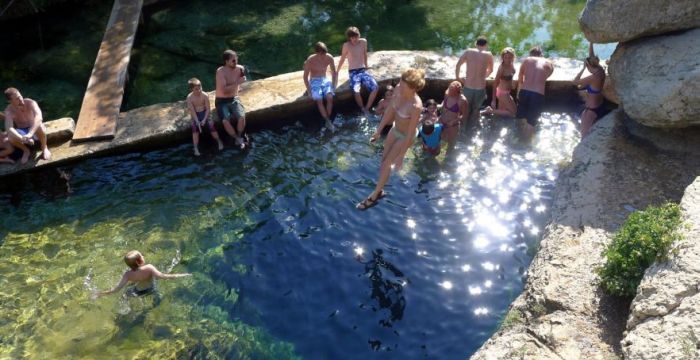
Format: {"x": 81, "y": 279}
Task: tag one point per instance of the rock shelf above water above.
{"x": 271, "y": 101}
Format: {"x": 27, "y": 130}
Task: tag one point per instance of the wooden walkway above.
{"x": 105, "y": 90}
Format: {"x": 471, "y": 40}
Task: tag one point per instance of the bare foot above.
{"x": 196, "y": 151}
{"x": 221, "y": 145}
{"x": 365, "y": 112}
{"x": 46, "y": 154}
{"x": 330, "y": 126}
{"x": 25, "y": 157}
{"x": 240, "y": 143}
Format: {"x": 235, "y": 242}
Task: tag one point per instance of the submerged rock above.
{"x": 665, "y": 316}
{"x": 658, "y": 79}
{"x": 605, "y": 21}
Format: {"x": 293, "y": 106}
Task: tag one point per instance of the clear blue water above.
{"x": 283, "y": 263}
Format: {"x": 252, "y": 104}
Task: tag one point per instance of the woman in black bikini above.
{"x": 454, "y": 109}
{"x": 593, "y": 84}
{"x": 404, "y": 112}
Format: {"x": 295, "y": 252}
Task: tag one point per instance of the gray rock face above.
{"x": 565, "y": 314}
{"x": 658, "y": 79}
{"x": 665, "y": 318}
{"x": 605, "y": 21}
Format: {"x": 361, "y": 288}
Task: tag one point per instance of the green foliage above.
{"x": 513, "y": 317}
{"x": 645, "y": 237}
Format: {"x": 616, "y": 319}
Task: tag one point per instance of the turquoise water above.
{"x": 50, "y": 57}
{"x": 283, "y": 265}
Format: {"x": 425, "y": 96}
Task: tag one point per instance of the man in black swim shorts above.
{"x": 532, "y": 79}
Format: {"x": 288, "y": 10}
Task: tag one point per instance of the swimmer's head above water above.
{"x": 134, "y": 259}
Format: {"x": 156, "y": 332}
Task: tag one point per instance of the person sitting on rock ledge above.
{"x": 5, "y": 148}
{"x": 593, "y": 84}
{"x": 228, "y": 105}
{"x": 355, "y": 50}
{"x": 319, "y": 87}
{"x": 24, "y": 124}
{"x": 198, "y": 106}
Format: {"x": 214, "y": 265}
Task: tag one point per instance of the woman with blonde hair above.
{"x": 455, "y": 107}
{"x": 502, "y": 103}
{"x": 404, "y": 112}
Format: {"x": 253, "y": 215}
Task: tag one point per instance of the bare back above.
{"x": 228, "y": 80}
{"x": 478, "y": 65}
{"x": 534, "y": 72}
{"x": 317, "y": 64}
{"x": 22, "y": 116}
{"x": 144, "y": 276}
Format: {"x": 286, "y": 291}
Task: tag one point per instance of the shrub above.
{"x": 645, "y": 237}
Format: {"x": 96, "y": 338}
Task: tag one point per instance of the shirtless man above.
{"x": 198, "y": 106}
{"x": 355, "y": 50}
{"x": 23, "y": 121}
{"x": 479, "y": 66}
{"x": 142, "y": 274}
{"x": 228, "y": 105}
{"x": 319, "y": 87}
{"x": 532, "y": 77}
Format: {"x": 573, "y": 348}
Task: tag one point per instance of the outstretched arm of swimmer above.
{"x": 122, "y": 283}
{"x": 159, "y": 275}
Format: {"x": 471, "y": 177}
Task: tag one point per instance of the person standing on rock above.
{"x": 593, "y": 84}
{"x": 532, "y": 78}
{"x": 24, "y": 124}
{"x": 319, "y": 87}
{"x": 228, "y": 105}
{"x": 355, "y": 50}
{"x": 479, "y": 64}
{"x": 404, "y": 112}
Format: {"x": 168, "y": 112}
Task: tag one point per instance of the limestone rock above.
{"x": 605, "y": 21}
{"x": 665, "y": 317}
{"x": 59, "y": 130}
{"x": 658, "y": 79}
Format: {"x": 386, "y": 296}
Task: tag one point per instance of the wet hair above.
{"x": 508, "y": 50}
{"x": 227, "y": 55}
{"x": 193, "y": 82}
{"x": 536, "y": 51}
{"x": 132, "y": 259}
{"x": 428, "y": 128}
{"x": 481, "y": 41}
{"x": 320, "y": 48}
{"x": 414, "y": 78}
{"x": 352, "y": 32}
{"x": 11, "y": 92}
{"x": 430, "y": 102}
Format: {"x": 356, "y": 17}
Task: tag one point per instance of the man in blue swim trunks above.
{"x": 228, "y": 105}
{"x": 532, "y": 78}
{"x": 355, "y": 50}
{"x": 319, "y": 87}
{"x": 24, "y": 124}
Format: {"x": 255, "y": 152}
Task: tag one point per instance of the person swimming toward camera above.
{"x": 141, "y": 274}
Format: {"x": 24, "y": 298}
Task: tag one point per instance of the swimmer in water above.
{"x": 140, "y": 273}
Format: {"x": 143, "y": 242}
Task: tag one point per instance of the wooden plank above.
{"x": 105, "y": 90}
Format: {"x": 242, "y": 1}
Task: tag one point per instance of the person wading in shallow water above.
{"x": 479, "y": 66}
{"x": 404, "y": 112}
{"x": 141, "y": 274}
{"x": 593, "y": 84}
{"x": 24, "y": 124}
{"x": 532, "y": 78}
{"x": 228, "y": 105}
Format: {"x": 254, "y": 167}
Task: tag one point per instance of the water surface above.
{"x": 283, "y": 264}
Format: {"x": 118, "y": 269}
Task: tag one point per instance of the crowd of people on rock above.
{"x": 404, "y": 117}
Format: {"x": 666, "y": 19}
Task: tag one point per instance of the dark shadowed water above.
{"x": 283, "y": 264}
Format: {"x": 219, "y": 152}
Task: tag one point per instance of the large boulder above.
{"x": 605, "y": 21}
{"x": 664, "y": 322}
{"x": 658, "y": 79}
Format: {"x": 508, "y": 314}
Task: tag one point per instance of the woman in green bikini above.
{"x": 404, "y": 112}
